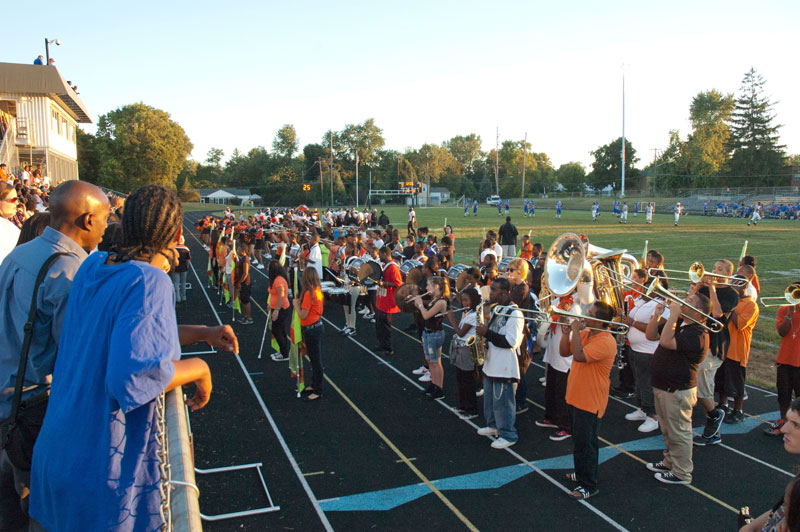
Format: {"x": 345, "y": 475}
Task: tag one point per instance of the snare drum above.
{"x": 339, "y": 296}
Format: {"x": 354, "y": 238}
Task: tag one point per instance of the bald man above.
{"x": 78, "y": 217}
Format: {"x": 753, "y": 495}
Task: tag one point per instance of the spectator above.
{"x": 33, "y": 227}
{"x": 39, "y": 60}
{"x": 51, "y": 62}
{"x": 181, "y": 270}
{"x": 110, "y": 370}
{"x": 508, "y": 238}
{"x": 9, "y": 232}
{"x": 78, "y": 219}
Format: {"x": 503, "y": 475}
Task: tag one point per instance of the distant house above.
{"x": 225, "y": 196}
{"x": 39, "y": 116}
{"x": 439, "y": 195}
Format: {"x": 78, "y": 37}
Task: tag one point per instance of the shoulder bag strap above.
{"x": 26, "y": 342}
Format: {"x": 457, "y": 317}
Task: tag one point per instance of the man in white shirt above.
{"x": 642, "y": 351}
{"x": 623, "y": 217}
{"x": 315, "y": 255}
{"x": 501, "y": 369}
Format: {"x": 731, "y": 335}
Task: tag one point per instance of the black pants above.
{"x": 467, "y": 386}
{"x": 586, "y": 452}
{"x": 522, "y": 390}
{"x": 383, "y": 329}
{"x": 14, "y": 486}
{"x": 555, "y": 403}
{"x": 788, "y": 382}
{"x": 627, "y": 380}
{"x": 313, "y": 340}
{"x": 280, "y": 328}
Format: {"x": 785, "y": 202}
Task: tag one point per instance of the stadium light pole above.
{"x": 622, "y": 152}
{"x": 47, "y": 47}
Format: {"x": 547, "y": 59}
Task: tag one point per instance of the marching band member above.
{"x": 385, "y": 305}
{"x": 309, "y": 306}
{"x": 279, "y": 309}
{"x": 681, "y": 348}
{"x": 461, "y": 354}
{"x": 501, "y": 369}
{"x": 787, "y": 364}
{"x": 354, "y": 291}
{"x": 593, "y": 352}
{"x": 517, "y": 276}
{"x": 432, "y": 314}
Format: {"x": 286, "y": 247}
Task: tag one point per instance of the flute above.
{"x": 409, "y": 298}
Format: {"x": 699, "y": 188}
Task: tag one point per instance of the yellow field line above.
{"x": 641, "y": 461}
{"x": 403, "y": 458}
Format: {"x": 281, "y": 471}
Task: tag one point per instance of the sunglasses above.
{"x": 10, "y": 200}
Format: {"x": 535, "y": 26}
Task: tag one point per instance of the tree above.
{"x": 465, "y": 149}
{"x": 754, "y": 137}
{"x": 607, "y": 165}
{"x": 486, "y": 188}
{"x": 434, "y": 161}
{"x": 707, "y": 147}
{"x": 285, "y": 142}
{"x": 543, "y": 176}
{"x": 147, "y": 147}
{"x": 572, "y": 176}
{"x": 362, "y": 139}
{"x": 671, "y": 169}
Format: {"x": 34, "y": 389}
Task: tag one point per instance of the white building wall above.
{"x": 43, "y": 132}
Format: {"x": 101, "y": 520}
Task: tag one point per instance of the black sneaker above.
{"x": 429, "y": 389}
{"x": 702, "y": 441}
{"x": 658, "y": 467}
{"x": 438, "y": 393}
{"x": 736, "y": 417}
{"x": 713, "y": 423}
{"x": 775, "y": 428}
{"x": 669, "y": 478}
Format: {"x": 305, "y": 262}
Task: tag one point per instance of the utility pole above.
{"x": 622, "y": 154}
{"x": 497, "y": 163}
{"x": 321, "y": 183}
{"x": 524, "y": 153}
{"x": 369, "y": 195}
{"x": 356, "y": 179}
{"x": 331, "y": 169}
{"x": 427, "y": 186}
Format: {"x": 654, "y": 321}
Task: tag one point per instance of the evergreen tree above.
{"x": 755, "y": 147}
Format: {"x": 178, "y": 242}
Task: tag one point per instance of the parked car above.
{"x": 493, "y": 200}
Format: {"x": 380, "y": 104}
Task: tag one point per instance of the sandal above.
{"x": 572, "y": 477}
{"x": 308, "y": 398}
{"x": 581, "y": 493}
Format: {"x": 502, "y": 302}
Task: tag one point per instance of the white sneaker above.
{"x": 636, "y": 415}
{"x": 426, "y": 377}
{"x": 542, "y": 379}
{"x": 479, "y": 393}
{"x": 260, "y": 266}
{"x": 650, "y": 424}
{"x": 364, "y": 310}
{"x": 502, "y": 443}
{"x": 420, "y": 370}
{"x": 487, "y": 431}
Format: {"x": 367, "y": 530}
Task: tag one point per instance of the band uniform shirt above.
{"x": 279, "y": 288}
{"x": 17, "y": 276}
{"x": 789, "y": 352}
{"x": 385, "y": 296}
{"x": 741, "y": 325}
{"x": 589, "y": 382}
{"x": 728, "y": 299}
{"x": 312, "y": 301}
{"x": 95, "y": 464}
{"x": 676, "y": 369}
{"x": 552, "y": 356}
{"x": 504, "y": 338}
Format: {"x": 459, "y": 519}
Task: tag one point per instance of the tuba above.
{"x": 476, "y": 344}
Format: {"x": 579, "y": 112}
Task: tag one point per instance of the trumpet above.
{"x": 697, "y": 272}
{"x": 710, "y": 323}
{"x": 409, "y": 298}
{"x": 791, "y": 296}
{"x": 540, "y": 317}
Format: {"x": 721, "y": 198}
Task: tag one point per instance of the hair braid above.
{"x": 151, "y": 219}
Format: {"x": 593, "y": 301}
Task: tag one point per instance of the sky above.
{"x": 232, "y": 73}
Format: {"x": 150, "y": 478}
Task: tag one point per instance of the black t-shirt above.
{"x": 728, "y": 299}
{"x": 408, "y": 252}
{"x": 183, "y": 259}
{"x": 677, "y": 369}
{"x": 508, "y": 234}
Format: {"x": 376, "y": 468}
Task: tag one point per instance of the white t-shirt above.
{"x": 751, "y": 291}
{"x": 488, "y": 251}
{"x": 315, "y": 254}
{"x": 469, "y": 318}
{"x": 552, "y": 355}
{"x": 411, "y": 215}
{"x": 642, "y": 312}
{"x": 9, "y": 234}
{"x": 498, "y": 250}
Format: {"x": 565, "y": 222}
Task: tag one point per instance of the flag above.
{"x": 643, "y": 260}
{"x": 235, "y": 259}
{"x": 295, "y": 360}
{"x": 744, "y": 251}
{"x": 210, "y": 270}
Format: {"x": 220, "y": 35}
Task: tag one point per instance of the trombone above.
{"x": 710, "y": 323}
{"x": 540, "y": 316}
{"x": 696, "y": 273}
{"x": 791, "y": 296}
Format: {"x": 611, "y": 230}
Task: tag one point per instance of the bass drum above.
{"x": 352, "y": 265}
{"x": 409, "y": 265}
{"x": 370, "y": 272}
{"x": 339, "y": 296}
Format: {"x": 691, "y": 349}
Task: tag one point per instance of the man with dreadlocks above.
{"x": 96, "y": 465}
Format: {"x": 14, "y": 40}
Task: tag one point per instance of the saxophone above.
{"x": 476, "y": 344}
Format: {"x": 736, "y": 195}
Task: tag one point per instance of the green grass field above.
{"x": 775, "y": 243}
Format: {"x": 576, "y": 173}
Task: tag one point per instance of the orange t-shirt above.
{"x": 314, "y": 306}
{"x": 279, "y": 288}
{"x": 756, "y": 283}
{"x": 789, "y": 352}
{"x": 741, "y": 330}
{"x": 526, "y": 251}
{"x": 588, "y": 382}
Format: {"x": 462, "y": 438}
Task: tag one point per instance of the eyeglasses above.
{"x": 11, "y": 200}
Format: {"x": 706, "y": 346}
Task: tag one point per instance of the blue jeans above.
{"x": 500, "y": 408}
{"x": 432, "y": 345}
